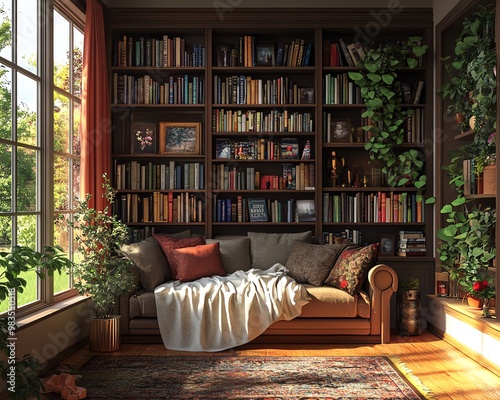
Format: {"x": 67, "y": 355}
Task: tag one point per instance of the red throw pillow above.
{"x": 169, "y": 244}
{"x": 197, "y": 262}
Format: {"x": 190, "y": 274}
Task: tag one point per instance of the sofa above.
{"x": 349, "y": 290}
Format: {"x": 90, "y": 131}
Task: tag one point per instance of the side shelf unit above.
{"x": 263, "y": 122}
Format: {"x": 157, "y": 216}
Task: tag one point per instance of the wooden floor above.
{"x": 442, "y": 368}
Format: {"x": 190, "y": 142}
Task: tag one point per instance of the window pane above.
{"x": 5, "y": 178}
{"x": 6, "y": 29}
{"x": 77, "y": 62}
{"x": 27, "y": 90}
{"x": 61, "y": 239}
{"x": 76, "y": 128}
{"x": 61, "y": 51}
{"x": 26, "y": 236}
{"x": 27, "y": 34}
{"x": 5, "y": 102}
{"x": 76, "y": 179}
{"x": 61, "y": 123}
{"x": 61, "y": 183}
{"x": 5, "y": 233}
{"x": 26, "y": 179}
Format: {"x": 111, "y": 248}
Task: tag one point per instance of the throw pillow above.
{"x": 197, "y": 262}
{"x": 151, "y": 262}
{"x": 235, "y": 254}
{"x": 267, "y": 249}
{"x": 351, "y": 268}
{"x": 168, "y": 244}
{"x": 311, "y": 263}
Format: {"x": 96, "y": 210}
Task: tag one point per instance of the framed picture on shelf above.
{"x": 305, "y": 210}
{"x": 143, "y": 138}
{"x": 264, "y": 54}
{"x": 223, "y": 53}
{"x": 387, "y": 244}
{"x": 180, "y": 138}
{"x": 341, "y": 130}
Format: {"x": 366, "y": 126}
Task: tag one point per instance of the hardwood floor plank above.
{"x": 449, "y": 373}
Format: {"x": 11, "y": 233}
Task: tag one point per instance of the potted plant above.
{"x": 102, "y": 273}
{"x": 23, "y": 374}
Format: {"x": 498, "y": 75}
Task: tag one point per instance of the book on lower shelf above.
{"x": 411, "y": 244}
{"x": 257, "y": 210}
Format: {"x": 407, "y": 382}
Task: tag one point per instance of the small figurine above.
{"x": 306, "y": 153}
{"x": 334, "y": 165}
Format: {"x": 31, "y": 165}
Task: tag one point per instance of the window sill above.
{"x": 37, "y": 316}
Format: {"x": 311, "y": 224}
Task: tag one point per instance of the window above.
{"x": 39, "y": 146}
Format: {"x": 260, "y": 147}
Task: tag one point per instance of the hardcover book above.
{"x": 257, "y": 210}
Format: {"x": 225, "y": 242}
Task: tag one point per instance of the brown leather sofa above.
{"x": 332, "y": 315}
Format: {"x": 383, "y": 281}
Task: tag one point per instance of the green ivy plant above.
{"x": 102, "y": 273}
{"x": 382, "y": 94}
{"x": 13, "y": 264}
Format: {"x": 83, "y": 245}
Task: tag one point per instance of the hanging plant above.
{"x": 382, "y": 94}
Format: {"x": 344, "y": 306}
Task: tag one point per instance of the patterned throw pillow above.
{"x": 198, "y": 261}
{"x": 311, "y": 263}
{"x": 168, "y": 244}
{"x": 351, "y": 268}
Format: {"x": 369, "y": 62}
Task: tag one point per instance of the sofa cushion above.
{"x": 197, "y": 262}
{"x": 267, "y": 249}
{"x": 351, "y": 268}
{"x": 168, "y": 244}
{"x": 142, "y": 305}
{"x": 235, "y": 253}
{"x": 311, "y": 263}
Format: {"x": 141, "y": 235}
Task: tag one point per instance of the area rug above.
{"x": 270, "y": 378}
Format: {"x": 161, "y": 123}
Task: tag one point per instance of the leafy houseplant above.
{"x": 102, "y": 273}
{"x": 22, "y": 375}
{"x": 382, "y": 94}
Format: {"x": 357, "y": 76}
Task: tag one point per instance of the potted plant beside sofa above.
{"x": 409, "y": 316}
{"x": 102, "y": 272}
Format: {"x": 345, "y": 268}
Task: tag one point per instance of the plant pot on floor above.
{"x": 409, "y": 318}
{"x": 105, "y": 334}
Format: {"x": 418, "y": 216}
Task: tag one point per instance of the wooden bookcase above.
{"x": 269, "y": 28}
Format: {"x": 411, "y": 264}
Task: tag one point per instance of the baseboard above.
{"x": 465, "y": 350}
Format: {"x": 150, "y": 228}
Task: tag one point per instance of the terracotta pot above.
{"x": 459, "y": 118}
{"x": 490, "y": 179}
{"x": 474, "y": 302}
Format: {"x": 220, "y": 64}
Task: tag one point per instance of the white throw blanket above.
{"x": 221, "y": 312}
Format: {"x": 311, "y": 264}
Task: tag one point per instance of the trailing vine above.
{"x": 382, "y": 94}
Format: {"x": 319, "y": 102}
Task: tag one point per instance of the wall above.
{"x": 441, "y": 8}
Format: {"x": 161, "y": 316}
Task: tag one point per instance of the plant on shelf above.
{"x": 382, "y": 94}
{"x": 23, "y": 374}
{"x": 102, "y": 273}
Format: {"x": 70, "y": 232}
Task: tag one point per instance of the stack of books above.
{"x": 411, "y": 244}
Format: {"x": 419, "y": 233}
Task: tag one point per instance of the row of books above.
{"x": 470, "y": 181}
{"x": 128, "y": 89}
{"x": 243, "y": 89}
{"x": 340, "y": 53}
{"x": 242, "y": 209}
{"x": 154, "y": 52}
{"x": 261, "y": 121}
{"x": 261, "y": 149}
{"x": 294, "y": 177}
{"x": 373, "y": 207}
{"x": 160, "y": 207}
{"x": 136, "y": 234}
{"x": 347, "y": 236}
{"x": 339, "y": 89}
{"x": 134, "y": 175}
{"x": 411, "y": 244}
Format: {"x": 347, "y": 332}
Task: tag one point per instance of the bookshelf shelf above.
{"x": 304, "y": 97}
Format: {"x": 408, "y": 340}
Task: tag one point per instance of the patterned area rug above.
{"x": 270, "y": 378}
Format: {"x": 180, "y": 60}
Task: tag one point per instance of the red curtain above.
{"x": 95, "y": 122}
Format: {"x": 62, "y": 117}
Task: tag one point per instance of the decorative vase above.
{"x": 474, "y": 302}
{"x": 459, "y": 118}
{"x": 409, "y": 314}
{"x": 490, "y": 179}
{"x": 105, "y": 334}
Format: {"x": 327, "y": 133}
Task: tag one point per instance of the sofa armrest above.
{"x": 124, "y": 302}
{"x": 383, "y": 282}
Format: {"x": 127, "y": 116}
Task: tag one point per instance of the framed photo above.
{"x": 223, "y": 52}
{"x": 143, "y": 138}
{"x": 264, "y": 54}
{"x": 387, "y": 244}
{"x": 341, "y": 130}
{"x": 180, "y": 138}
